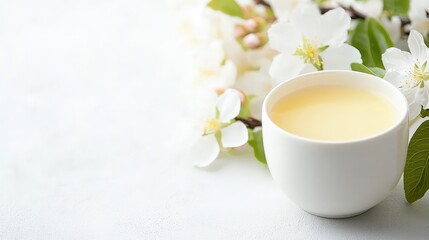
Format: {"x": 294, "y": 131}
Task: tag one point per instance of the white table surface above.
{"x": 90, "y": 147}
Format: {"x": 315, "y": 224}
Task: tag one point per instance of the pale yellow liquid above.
{"x": 334, "y": 113}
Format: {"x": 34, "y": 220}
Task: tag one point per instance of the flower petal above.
{"x": 205, "y": 151}
{"x": 234, "y": 135}
{"x": 340, "y": 58}
{"x": 396, "y": 59}
{"x": 414, "y": 110}
{"x": 413, "y": 106}
{"x": 419, "y": 19}
{"x": 228, "y": 73}
{"x": 372, "y": 8}
{"x": 256, "y": 107}
{"x": 210, "y": 55}
{"x": 308, "y": 68}
{"x": 417, "y": 47}
{"x": 394, "y": 77}
{"x": 306, "y": 19}
{"x": 410, "y": 94}
{"x": 333, "y": 27}
{"x": 392, "y": 26}
{"x": 284, "y": 8}
{"x": 284, "y": 37}
{"x": 254, "y": 83}
{"x": 285, "y": 67}
{"x": 422, "y": 96}
{"x": 228, "y": 104}
{"x": 281, "y": 9}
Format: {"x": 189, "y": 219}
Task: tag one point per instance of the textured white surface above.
{"x": 88, "y": 116}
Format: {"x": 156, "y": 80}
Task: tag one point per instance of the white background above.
{"x": 90, "y": 147}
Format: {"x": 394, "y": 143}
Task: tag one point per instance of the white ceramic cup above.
{"x": 336, "y": 179}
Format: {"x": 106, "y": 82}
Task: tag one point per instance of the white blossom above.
{"x": 371, "y": 8}
{"x": 418, "y": 17}
{"x": 220, "y": 129}
{"x": 211, "y": 67}
{"x": 256, "y": 84}
{"x": 409, "y": 72}
{"x": 199, "y": 25}
{"x": 310, "y": 41}
{"x": 283, "y": 8}
{"x": 392, "y": 26}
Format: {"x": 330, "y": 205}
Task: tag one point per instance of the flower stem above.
{"x": 250, "y": 122}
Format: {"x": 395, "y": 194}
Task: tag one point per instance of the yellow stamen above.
{"x": 212, "y": 125}
{"x": 418, "y": 77}
{"x": 310, "y": 52}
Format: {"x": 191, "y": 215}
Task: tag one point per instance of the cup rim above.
{"x": 403, "y": 117}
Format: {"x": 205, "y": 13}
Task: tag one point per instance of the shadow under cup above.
{"x": 336, "y": 179}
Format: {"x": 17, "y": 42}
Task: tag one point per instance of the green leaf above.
{"x": 360, "y": 40}
{"x": 416, "y": 173}
{"x": 358, "y": 67}
{"x": 379, "y": 41}
{"x": 396, "y": 7}
{"x": 229, "y": 7}
{"x": 379, "y": 72}
{"x": 256, "y": 142}
{"x": 372, "y": 40}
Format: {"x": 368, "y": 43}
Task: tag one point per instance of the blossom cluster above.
{"x": 239, "y": 50}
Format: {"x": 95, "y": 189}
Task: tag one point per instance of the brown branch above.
{"x": 250, "y": 122}
{"x": 262, "y": 2}
{"x": 354, "y": 14}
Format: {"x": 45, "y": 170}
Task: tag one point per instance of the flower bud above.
{"x": 260, "y": 10}
{"x": 252, "y": 25}
{"x": 247, "y": 10}
{"x": 239, "y": 31}
{"x": 219, "y": 91}
{"x": 252, "y": 41}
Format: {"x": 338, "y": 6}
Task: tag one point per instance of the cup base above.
{"x": 334, "y": 216}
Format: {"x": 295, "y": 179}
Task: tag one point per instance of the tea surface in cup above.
{"x": 334, "y": 113}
